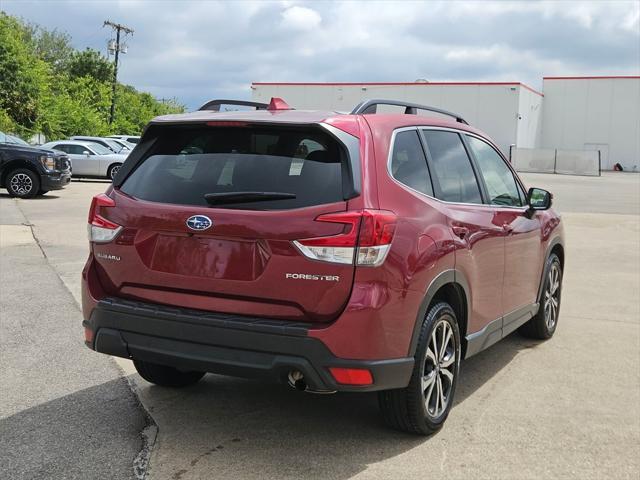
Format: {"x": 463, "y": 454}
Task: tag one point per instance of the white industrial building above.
{"x": 573, "y": 113}
{"x": 594, "y": 113}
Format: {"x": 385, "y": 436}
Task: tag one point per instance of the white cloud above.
{"x": 300, "y": 18}
{"x": 197, "y": 50}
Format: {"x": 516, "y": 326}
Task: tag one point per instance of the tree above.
{"x": 90, "y": 63}
{"x": 52, "y": 46}
{"x": 23, "y": 76}
{"x": 47, "y": 87}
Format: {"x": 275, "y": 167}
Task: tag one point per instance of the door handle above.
{"x": 460, "y": 232}
{"x": 507, "y": 228}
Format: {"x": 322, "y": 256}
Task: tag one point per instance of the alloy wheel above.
{"x": 21, "y": 184}
{"x": 114, "y": 171}
{"x": 439, "y": 369}
{"x": 552, "y": 297}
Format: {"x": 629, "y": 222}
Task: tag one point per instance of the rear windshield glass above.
{"x": 187, "y": 163}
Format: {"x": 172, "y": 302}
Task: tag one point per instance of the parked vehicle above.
{"x": 127, "y": 138}
{"x": 27, "y": 171}
{"x": 115, "y": 147}
{"x": 124, "y": 143}
{"x": 14, "y": 139}
{"x": 398, "y": 245}
{"x": 89, "y": 159}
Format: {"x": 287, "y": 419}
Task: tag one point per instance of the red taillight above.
{"x": 100, "y": 229}
{"x": 100, "y": 200}
{"x": 345, "y": 239}
{"x": 369, "y": 232}
{"x": 377, "y": 228}
{"x": 352, "y": 376}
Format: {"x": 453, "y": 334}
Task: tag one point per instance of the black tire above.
{"x": 112, "y": 171}
{"x": 166, "y": 376}
{"x": 408, "y": 409}
{"x": 22, "y": 183}
{"x": 543, "y": 325}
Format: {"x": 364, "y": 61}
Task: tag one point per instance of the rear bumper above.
{"x": 55, "y": 181}
{"x": 229, "y": 345}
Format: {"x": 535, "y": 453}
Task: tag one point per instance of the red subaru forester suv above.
{"x": 336, "y": 252}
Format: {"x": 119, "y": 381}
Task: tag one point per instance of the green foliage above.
{"x": 89, "y": 63}
{"x": 46, "y": 86}
{"x": 52, "y": 46}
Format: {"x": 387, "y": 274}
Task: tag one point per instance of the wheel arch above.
{"x": 14, "y": 165}
{"x": 111, "y": 165}
{"x": 554, "y": 246}
{"x": 450, "y": 286}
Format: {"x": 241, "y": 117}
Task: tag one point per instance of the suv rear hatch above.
{"x": 209, "y": 215}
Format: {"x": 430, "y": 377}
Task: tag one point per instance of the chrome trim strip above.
{"x": 406, "y": 187}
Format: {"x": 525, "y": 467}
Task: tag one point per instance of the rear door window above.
{"x": 408, "y": 163}
{"x": 187, "y": 163}
{"x": 453, "y": 176}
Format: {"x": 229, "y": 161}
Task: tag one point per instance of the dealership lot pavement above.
{"x": 63, "y": 412}
{"x": 567, "y": 408}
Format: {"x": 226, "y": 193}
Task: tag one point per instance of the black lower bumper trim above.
{"x": 229, "y": 345}
{"x": 55, "y": 182}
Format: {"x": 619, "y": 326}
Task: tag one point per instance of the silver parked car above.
{"x": 89, "y": 159}
{"x": 105, "y": 142}
{"x": 124, "y": 143}
{"x": 127, "y": 138}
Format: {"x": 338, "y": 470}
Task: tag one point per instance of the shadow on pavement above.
{"x": 46, "y": 196}
{"x": 248, "y": 429}
{"x": 92, "y": 433}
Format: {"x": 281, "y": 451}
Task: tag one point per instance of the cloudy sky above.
{"x": 198, "y": 50}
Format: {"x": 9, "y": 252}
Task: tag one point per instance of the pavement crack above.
{"x": 150, "y": 431}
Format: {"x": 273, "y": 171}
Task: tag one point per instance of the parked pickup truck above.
{"x": 27, "y": 171}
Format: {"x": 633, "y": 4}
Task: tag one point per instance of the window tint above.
{"x": 452, "y": 173}
{"x": 76, "y": 149}
{"x": 97, "y": 148}
{"x": 189, "y": 162}
{"x": 408, "y": 163}
{"x": 501, "y": 185}
{"x": 62, "y": 147}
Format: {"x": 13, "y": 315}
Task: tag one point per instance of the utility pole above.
{"x": 116, "y": 47}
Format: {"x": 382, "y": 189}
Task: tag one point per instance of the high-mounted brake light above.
{"x": 226, "y": 123}
{"x": 100, "y": 229}
{"x": 368, "y": 238}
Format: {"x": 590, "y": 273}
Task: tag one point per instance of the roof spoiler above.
{"x": 370, "y": 107}
{"x": 275, "y": 104}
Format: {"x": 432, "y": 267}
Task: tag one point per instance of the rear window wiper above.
{"x": 245, "y": 197}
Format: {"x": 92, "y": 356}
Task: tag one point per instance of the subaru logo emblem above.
{"x": 199, "y": 222}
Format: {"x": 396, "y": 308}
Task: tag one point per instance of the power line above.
{"x": 117, "y": 47}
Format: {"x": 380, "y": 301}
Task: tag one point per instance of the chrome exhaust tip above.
{"x": 295, "y": 379}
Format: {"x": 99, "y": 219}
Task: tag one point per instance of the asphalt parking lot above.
{"x": 566, "y": 408}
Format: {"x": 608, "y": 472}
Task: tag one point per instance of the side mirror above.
{"x": 86, "y": 152}
{"x": 539, "y": 199}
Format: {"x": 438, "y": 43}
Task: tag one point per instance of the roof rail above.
{"x": 370, "y": 106}
{"x": 214, "y": 105}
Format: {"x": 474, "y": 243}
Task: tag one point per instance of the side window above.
{"x": 75, "y": 149}
{"x": 523, "y": 195}
{"x": 61, "y": 147}
{"x": 501, "y": 185}
{"x": 408, "y": 163}
{"x": 454, "y": 179}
